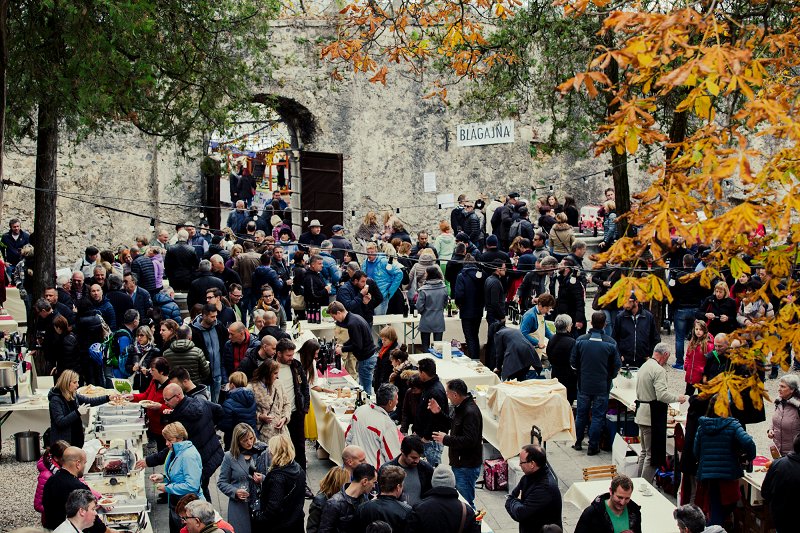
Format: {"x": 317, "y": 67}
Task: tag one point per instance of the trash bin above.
{"x": 27, "y": 446}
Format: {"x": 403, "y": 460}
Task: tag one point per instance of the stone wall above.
{"x": 126, "y": 168}
{"x": 390, "y": 135}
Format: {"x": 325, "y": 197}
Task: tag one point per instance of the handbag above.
{"x": 298, "y": 302}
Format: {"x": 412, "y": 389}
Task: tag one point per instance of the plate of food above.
{"x": 149, "y": 404}
{"x": 106, "y": 502}
{"x": 92, "y": 391}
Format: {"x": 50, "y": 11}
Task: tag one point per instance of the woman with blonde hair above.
{"x": 235, "y": 480}
{"x": 283, "y": 490}
{"x": 562, "y": 237}
{"x": 332, "y": 483}
{"x": 273, "y": 409}
{"x": 183, "y": 470}
{"x": 67, "y": 407}
{"x": 369, "y": 230}
{"x": 236, "y": 250}
{"x": 388, "y": 224}
{"x": 718, "y": 310}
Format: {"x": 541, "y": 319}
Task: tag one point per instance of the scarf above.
{"x": 240, "y": 350}
{"x": 384, "y": 350}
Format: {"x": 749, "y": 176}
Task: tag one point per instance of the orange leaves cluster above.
{"x": 737, "y": 82}
{"x": 417, "y": 34}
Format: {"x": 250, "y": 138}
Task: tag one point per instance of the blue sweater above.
{"x": 387, "y": 280}
{"x": 530, "y": 323}
{"x": 717, "y": 446}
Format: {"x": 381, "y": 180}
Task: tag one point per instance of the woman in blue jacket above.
{"x": 718, "y": 446}
{"x": 183, "y": 470}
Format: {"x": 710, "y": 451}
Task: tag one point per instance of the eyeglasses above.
{"x": 526, "y": 462}
{"x": 170, "y": 398}
{"x": 185, "y": 518}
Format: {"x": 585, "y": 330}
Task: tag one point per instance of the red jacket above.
{"x": 155, "y": 393}
{"x": 695, "y": 361}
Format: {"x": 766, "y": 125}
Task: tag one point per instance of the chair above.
{"x": 599, "y": 472}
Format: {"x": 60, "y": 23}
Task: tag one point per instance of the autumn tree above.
{"x": 734, "y": 66}
{"x": 170, "y": 68}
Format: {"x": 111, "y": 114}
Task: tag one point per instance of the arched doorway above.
{"x": 273, "y": 146}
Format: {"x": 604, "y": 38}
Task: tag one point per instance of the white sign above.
{"x": 429, "y": 181}
{"x": 446, "y": 201}
{"x": 480, "y": 133}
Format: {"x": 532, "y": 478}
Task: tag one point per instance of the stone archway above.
{"x": 298, "y": 119}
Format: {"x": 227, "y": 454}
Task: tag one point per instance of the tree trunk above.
{"x": 619, "y": 162}
{"x": 3, "y": 88}
{"x": 44, "y": 242}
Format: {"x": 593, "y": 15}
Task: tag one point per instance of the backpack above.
{"x": 515, "y": 230}
{"x": 98, "y": 351}
{"x": 117, "y": 354}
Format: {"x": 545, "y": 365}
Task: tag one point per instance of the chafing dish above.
{"x": 129, "y": 409}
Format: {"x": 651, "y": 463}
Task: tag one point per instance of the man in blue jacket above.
{"x": 596, "y": 361}
{"x": 387, "y": 276}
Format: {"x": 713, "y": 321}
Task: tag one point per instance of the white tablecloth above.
{"x": 656, "y": 508}
{"x": 513, "y": 408}
{"x": 331, "y": 425}
{"x": 460, "y": 368}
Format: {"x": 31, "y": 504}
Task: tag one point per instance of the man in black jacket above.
{"x": 426, "y": 421}
{"x": 199, "y": 417}
{"x": 465, "y": 441}
{"x": 596, "y": 518}
{"x": 418, "y": 472}
{"x": 636, "y": 332}
{"x": 118, "y": 298}
{"x": 180, "y": 263}
{"x": 315, "y": 291}
{"x": 360, "y": 296}
{"x": 571, "y": 299}
{"x": 388, "y": 507}
{"x": 360, "y": 343}
{"x": 536, "y": 500}
{"x": 228, "y": 276}
{"x": 60, "y": 485}
{"x": 205, "y": 280}
{"x": 686, "y": 300}
{"x": 256, "y": 356}
{"x": 494, "y": 297}
{"x": 441, "y": 511}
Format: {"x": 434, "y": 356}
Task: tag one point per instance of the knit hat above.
{"x": 462, "y": 237}
{"x": 443, "y": 477}
{"x": 275, "y": 220}
{"x": 492, "y": 241}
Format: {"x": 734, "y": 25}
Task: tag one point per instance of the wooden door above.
{"x": 322, "y": 194}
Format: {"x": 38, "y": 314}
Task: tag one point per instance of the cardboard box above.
{"x": 626, "y": 457}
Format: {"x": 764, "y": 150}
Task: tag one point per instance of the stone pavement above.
{"x": 566, "y": 462}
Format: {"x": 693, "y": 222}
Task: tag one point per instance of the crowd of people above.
{"x": 230, "y": 365}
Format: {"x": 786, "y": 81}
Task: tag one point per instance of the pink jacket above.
{"x": 695, "y": 361}
{"x": 46, "y": 471}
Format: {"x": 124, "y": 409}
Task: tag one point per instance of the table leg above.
{"x": 3, "y": 419}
